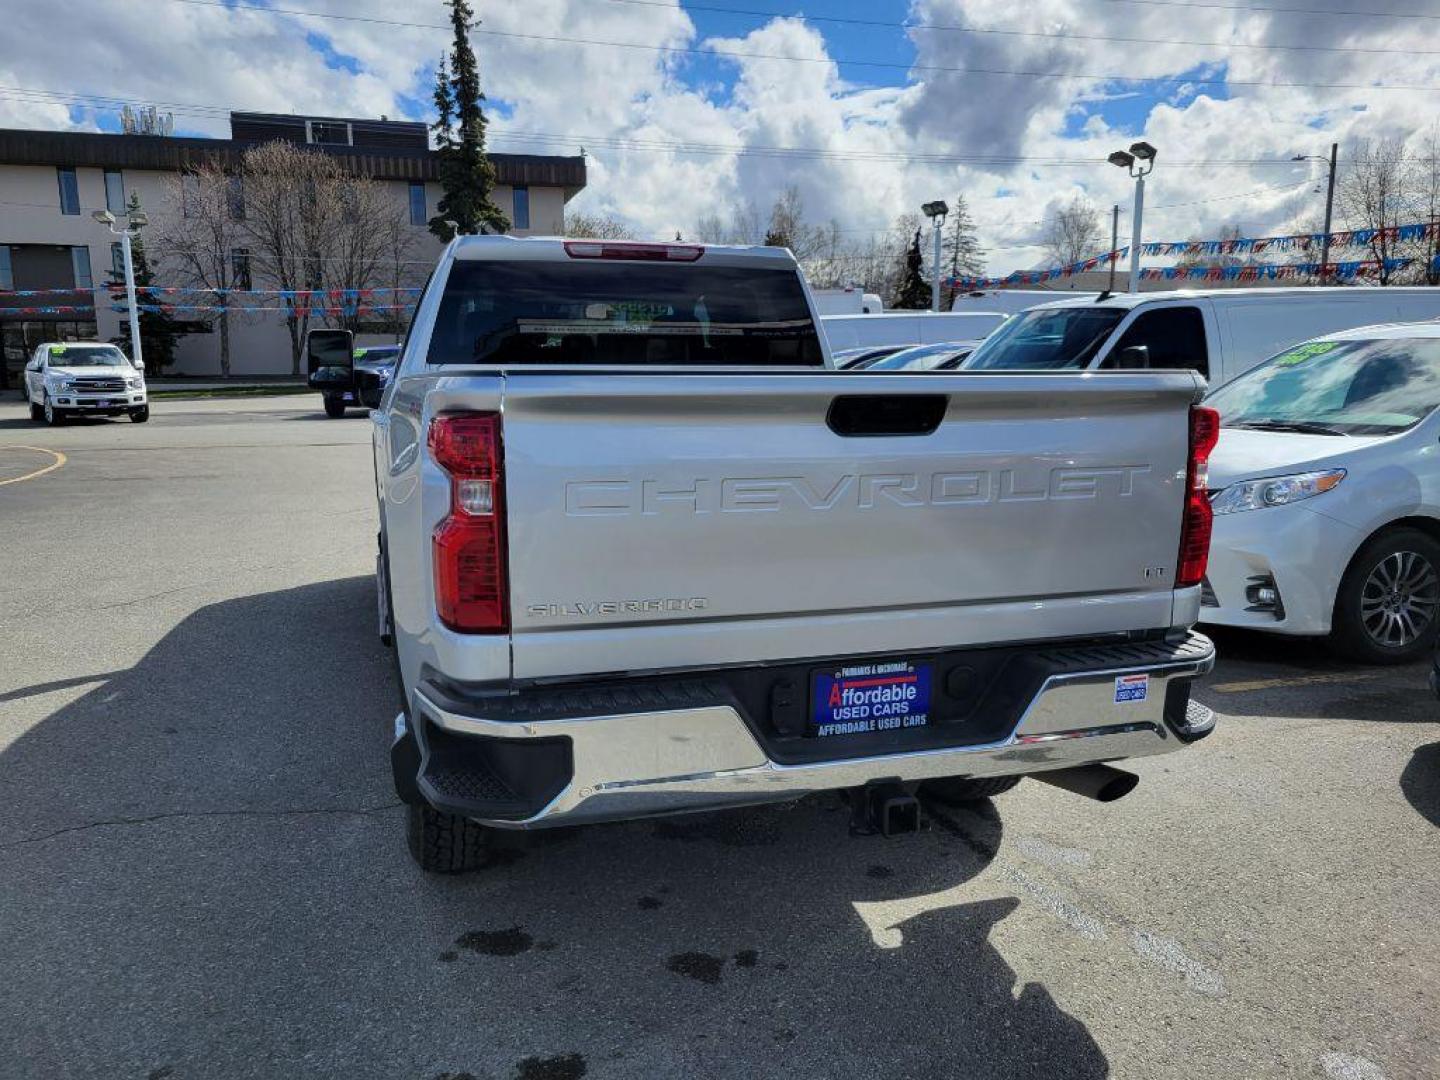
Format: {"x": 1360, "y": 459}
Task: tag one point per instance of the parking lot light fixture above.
{"x": 135, "y": 220}
{"x": 1139, "y": 161}
{"x": 936, "y": 212}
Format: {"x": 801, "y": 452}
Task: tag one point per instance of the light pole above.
{"x": 1329, "y": 203}
{"x": 135, "y": 220}
{"x": 936, "y": 212}
{"x": 1140, "y": 161}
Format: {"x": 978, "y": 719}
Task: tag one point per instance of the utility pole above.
{"x": 1329, "y": 208}
{"x": 1114, "y": 244}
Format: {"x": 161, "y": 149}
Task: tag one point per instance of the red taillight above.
{"x": 471, "y": 590}
{"x": 597, "y": 249}
{"x": 1196, "y": 525}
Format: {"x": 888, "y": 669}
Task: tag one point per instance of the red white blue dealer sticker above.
{"x": 862, "y": 698}
{"x": 1131, "y": 688}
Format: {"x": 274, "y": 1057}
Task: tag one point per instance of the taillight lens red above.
{"x": 1199, "y": 518}
{"x": 471, "y": 578}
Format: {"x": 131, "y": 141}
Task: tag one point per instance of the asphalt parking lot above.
{"x": 203, "y": 874}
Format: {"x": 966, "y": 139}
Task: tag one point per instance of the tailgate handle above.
{"x": 886, "y": 414}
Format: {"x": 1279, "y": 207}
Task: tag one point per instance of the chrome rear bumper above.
{"x": 640, "y": 764}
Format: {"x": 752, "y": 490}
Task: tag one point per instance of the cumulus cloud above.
{"x": 668, "y": 145}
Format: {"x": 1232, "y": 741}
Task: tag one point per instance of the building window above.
{"x": 522, "y": 207}
{"x": 417, "y": 204}
{"x": 80, "y": 259}
{"x": 327, "y": 132}
{"x": 7, "y": 273}
{"x": 69, "y": 191}
{"x": 237, "y": 198}
{"x": 240, "y": 268}
{"x": 117, "y": 261}
{"x": 115, "y": 191}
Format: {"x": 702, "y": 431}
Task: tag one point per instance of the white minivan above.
{"x": 1220, "y": 333}
{"x": 1325, "y": 490}
{"x": 907, "y": 328}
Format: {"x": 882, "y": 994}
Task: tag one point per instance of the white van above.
{"x": 1008, "y": 300}
{"x": 907, "y": 328}
{"x": 1220, "y": 333}
{"x": 846, "y": 302}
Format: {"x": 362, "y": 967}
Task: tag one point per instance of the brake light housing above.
{"x": 1199, "y": 518}
{"x": 606, "y": 249}
{"x": 472, "y": 594}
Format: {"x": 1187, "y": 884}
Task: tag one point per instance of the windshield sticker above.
{"x": 1305, "y": 352}
{"x": 57, "y": 350}
{"x": 1131, "y": 688}
{"x": 359, "y": 354}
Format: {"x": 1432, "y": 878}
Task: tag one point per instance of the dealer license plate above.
{"x": 864, "y": 698}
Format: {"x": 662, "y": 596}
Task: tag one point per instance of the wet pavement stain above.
{"x": 880, "y": 872}
{"x": 456, "y": 1076}
{"x": 560, "y": 1067}
{"x": 649, "y": 903}
{"x": 746, "y": 958}
{"x": 509, "y": 942}
{"x": 699, "y": 966}
{"x": 449, "y": 956}
{"x": 546, "y": 946}
{"x": 161, "y": 1073}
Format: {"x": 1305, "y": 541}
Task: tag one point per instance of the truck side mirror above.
{"x": 1132, "y": 357}
{"x": 329, "y": 359}
{"x": 139, "y": 365}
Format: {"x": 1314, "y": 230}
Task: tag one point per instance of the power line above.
{"x": 1062, "y": 35}
{"x": 1278, "y": 10}
{"x": 888, "y": 64}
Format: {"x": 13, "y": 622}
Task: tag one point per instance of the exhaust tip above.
{"x": 1117, "y": 787}
{"x": 1099, "y": 782}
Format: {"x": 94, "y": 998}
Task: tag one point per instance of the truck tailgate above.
{"x": 719, "y": 518}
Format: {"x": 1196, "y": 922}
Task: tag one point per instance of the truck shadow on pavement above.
{"x": 203, "y": 872}
{"x": 1420, "y": 782}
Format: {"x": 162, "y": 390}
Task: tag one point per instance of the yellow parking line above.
{"x": 56, "y": 454}
{"x": 1299, "y": 680}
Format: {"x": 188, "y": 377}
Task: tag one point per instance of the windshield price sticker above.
{"x": 865, "y": 698}
{"x": 1130, "y": 688}
{"x": 1305, "y": 352}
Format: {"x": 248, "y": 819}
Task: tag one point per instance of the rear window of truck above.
{"x": 584, "y": 312}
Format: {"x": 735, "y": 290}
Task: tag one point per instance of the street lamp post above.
{"x": 1140, "y": 161}
{"x": 1329, "y": 203}
{"x": 936, "y": 212}
{"x": 135, "y": 220}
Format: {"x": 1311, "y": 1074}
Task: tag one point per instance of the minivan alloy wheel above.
{"x": 1399, "y": 599}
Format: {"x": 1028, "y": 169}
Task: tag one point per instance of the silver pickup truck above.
{"x": 643, "y": 551}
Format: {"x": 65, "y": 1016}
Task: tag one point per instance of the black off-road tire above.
{"x": 445, "y": 843}
{"x": 1348, "y": 635}
{"x": 959, "y": 790}
{"x": 334, "y": 408}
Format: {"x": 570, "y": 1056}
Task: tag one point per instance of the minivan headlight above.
{"x": 1274, "y": 491}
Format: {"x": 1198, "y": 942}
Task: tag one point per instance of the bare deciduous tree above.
{"x": 1072, "y": 231}
{"x": 598, "y": 227}
{"x": 1372, "y": 195}
{"x": 199, "y": 241}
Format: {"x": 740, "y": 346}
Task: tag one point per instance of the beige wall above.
{"x": 259, "y": 344}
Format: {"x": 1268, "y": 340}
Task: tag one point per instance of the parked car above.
{"x": 89, "y": 378}
{"x": 846, "y": 302}
{"x": 946, "y": 356}
{"x": 907, "y": 328}
{"x": 641, "y": 554}
{"x": 1220, "y": 333}
{"x": 374, "y": 366}
{"x": 1326, "y": 493}
{"x": 848, "y": 359}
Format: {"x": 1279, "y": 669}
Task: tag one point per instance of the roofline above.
{"x": 103, "y": 150}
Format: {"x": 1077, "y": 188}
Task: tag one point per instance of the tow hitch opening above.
{"x": 888, "y": 809}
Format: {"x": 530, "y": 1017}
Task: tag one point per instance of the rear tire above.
{"x": 959, "y": 790}
{"x": 334, "y": 408}
{"x": 1409, "y": 560}
{"x": 443, "y": 843}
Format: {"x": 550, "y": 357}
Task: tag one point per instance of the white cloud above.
{"x": 869, "y": 141}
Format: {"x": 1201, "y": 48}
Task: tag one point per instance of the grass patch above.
{"x": 232, "y": 391}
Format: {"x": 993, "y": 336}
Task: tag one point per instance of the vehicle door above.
{"x": 35, "y": 375}
{"x": 1168, "y": 336}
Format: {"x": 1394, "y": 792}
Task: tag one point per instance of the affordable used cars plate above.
{"x": 858, "y": 699}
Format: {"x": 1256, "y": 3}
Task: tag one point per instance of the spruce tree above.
{"x": 914, "y": 291}
{"x": 963, "y": 255}
{"x": 466, "y": 175}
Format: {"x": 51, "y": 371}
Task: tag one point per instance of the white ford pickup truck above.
{"x": 643, "y": 551}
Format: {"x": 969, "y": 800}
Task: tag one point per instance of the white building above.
{"x": 51, "y": 182}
